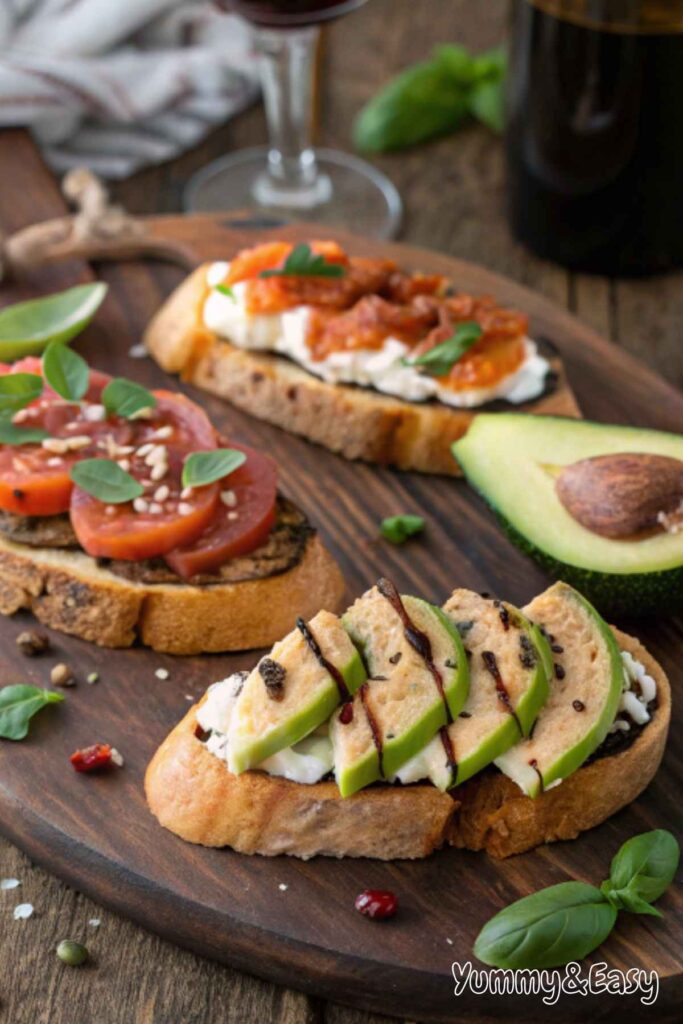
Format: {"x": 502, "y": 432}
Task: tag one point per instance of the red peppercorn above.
{"x": 376, "y": 903}
{"x": 346, "y": 714}
{"x": 91, "y": 759}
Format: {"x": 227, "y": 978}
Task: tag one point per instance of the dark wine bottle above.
{"x": 594, "y": 134}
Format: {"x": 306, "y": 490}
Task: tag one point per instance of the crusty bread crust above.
{"x": 192, "y": 793}
{"x": 355, "y": 422}
{"x": 68, "y": 591}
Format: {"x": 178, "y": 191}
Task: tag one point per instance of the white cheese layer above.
{"x": 306, "y": 762}
{"x": 382, "y": 369}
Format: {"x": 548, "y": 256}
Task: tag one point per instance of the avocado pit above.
{"x": 624, "y": 496}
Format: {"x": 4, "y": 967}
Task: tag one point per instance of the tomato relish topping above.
{"x": 374, "y": 300}
{"x": 196, "y": 529}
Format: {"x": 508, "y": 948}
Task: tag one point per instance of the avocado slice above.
{"x": 418, "y": 681}
{"x": 512, "y": 460}
{"x": 292, "y": 690}
{"x": 510, "y": 663}
{"x": 584, "y": 692}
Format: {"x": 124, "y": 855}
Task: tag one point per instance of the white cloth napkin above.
{"x": 118, "y": 84}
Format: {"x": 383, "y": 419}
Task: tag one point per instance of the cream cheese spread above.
{"x": 382, "y": 369}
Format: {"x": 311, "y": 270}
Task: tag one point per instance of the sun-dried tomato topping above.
{"x": 92, "y": 759}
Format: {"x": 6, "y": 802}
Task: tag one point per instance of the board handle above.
{"x": 97, "y": 230}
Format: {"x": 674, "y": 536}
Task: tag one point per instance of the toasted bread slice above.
{"x": 358, "y": 423}
{"x": 68, "y": 591}
{"x": 193, "y": 794}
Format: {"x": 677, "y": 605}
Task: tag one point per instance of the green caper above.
{"x": 72, "y": 953}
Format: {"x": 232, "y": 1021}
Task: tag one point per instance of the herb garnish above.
{"x": 433, "y": 98}
{"x": 106, "y": 481}
{"x": 398, "y": 529}
{"x": 65, "y": 371}
{"x": 18, "y": 705}
{"x": 225, "y": 289}
{"x": 12, "y": 434}
{"x": 565, "y": 922}
{"x": 18, "y": 389}
{"x": 438, "y": 361}
{"x": 203, "y": 468}
{"x": 122, "y": 397}
{"x": 303, "y": 263}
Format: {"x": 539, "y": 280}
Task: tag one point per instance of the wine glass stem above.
{"x": 287, "y": 63}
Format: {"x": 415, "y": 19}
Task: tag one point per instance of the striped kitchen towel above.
{"x": 118, "y": 84}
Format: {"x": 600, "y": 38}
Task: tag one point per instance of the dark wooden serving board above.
{"x": 96, "y": 832}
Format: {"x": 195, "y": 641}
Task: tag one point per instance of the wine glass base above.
{"x": 350, "y": 193}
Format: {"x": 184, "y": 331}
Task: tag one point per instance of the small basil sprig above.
{"x": 302, "y": 262}
{"x": 202, "y": 468}
{"x": 398, "y": 529}
{"x": 641, "y": 871}
{"x": 65, "y": 371}
{"x": 433, "y": 98}
{"x": 18, "y": 389}
{"x": 106, "y": 481}
{"x": 18, "y": 705}
{"x": 438, "y": 361}
{"x": 225, "y": 289}
{"x": 122, "y": 397}
{"x": 565, "y": 922}
{"x": 12, "y": 434}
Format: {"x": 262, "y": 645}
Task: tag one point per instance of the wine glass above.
{"x": 289, "y": 178}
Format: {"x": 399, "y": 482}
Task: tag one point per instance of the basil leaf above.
{"x": 124, "y": 398}
{"x": 106, "y": 481}
{"x": 550, "y": 928}
{"x": 642, "y": 870}
{"x": 27, "y": 327}
{"x": 627, "y": 899}
{"x": 12, "y": 434}
{"x": 201, "y": 468}
{"x": 18, "y": 389}
{"x": 225, "y": 289}
{"x": 487, "y": 96}
{"x": 441, "y": 359}
{"x": 302, "y": 262}
{"x": 398, "y": 529}
{"x": 423, "y": 102}
{"x": 65, "y": 371}
{"x": 18, "y": 705}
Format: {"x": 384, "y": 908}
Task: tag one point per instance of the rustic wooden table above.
{"x": 453, "y": 192}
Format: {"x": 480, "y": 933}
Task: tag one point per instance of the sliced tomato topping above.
{"x": 165, "y": 518}
{"x": 34, "y": 480}
{"x": 238, "y": 527}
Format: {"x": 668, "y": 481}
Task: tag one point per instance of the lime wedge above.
{"x": 27, "y": 327}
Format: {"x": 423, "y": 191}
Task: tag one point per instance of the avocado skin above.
{"x": 634, "y": 595}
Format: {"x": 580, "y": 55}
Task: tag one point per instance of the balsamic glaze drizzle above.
{"x": 447, "y": 745}
{"x": 418, "y": 640}
{"x": 314, "y": 646}
{"x": 491, "y": 665}
{"x": 374, "y": 727}
{"x": 534, "y": 764}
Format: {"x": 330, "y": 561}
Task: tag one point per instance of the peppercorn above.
{"x": 72, "y": 953}
{"x": 61, "y": 675}
{"x": 30, "y": 643}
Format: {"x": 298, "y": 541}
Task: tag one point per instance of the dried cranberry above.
{"x": 92, "y": 759}
{"x": 376, "y": 903}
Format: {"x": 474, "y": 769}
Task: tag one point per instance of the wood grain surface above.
{"x": 453, "y": 191}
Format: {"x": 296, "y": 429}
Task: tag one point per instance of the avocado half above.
{"x": 505, "y": 456}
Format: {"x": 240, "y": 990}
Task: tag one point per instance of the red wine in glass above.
{"x": 290, "y": 178}
{"x": 290, "y": 13}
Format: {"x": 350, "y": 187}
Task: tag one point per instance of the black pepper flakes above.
{"x": 578, "y": 705}
{"x": 273, "y": 675}
{"x": 559, "y": 671}
{"x": 464, "y": 627}
{"x": 395, "y": 658}
{"x": 527, "y": 652}
{"x": 557, "y": 648}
